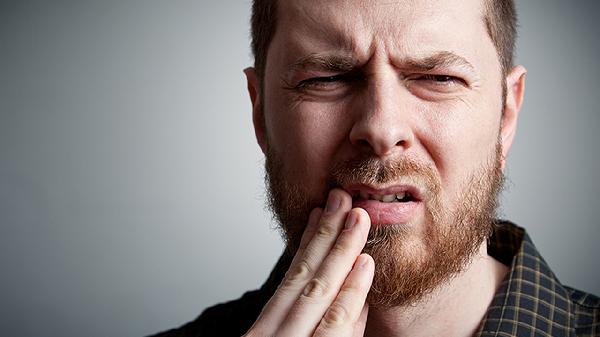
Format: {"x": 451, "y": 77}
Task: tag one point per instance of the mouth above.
{"x": 390, "y": 205}
{"x": 391, "y": 194}
{"x": 388, "y": 198}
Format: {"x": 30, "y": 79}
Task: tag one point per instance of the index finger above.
{"x": 320, "y": 236}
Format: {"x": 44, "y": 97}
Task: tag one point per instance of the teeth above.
{"x": 381, "y": 197}
{"x": 389, "y": 198}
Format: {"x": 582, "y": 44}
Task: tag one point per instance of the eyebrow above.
{"x": 334, "y": 63}
{"x": 343, "y": 63}
{"x": 437, "y": 60}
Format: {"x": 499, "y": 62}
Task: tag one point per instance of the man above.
{"x": 385, "y": 127}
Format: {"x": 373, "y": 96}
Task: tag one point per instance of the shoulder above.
{"x": 586, "y": 308}
{"x": 231, "y": 318}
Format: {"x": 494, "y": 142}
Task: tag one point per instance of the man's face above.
{"x": 388, "y": 99}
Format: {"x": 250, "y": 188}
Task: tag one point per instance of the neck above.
{"x": 454, "y": 309}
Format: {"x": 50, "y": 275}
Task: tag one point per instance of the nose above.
{"x": 382, "y": 123}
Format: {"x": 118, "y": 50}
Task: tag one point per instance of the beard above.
{"x": 413, "y": 259}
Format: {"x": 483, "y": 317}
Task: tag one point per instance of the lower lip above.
{"x": 389, "y": 213}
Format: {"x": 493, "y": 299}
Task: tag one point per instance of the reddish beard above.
{"x": 411, "y": 260}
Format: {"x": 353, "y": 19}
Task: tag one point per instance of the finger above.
{"x": 361, "y": 324}
{"x": 321, "y": 291}
{"x": 328, "y": 229}
{"x": 309, "y": 233}
{"x": 276, "y": 308}
{"x": 344, "y": 315}
{"x": 306, "y": 261}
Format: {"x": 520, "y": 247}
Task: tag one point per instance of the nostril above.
{"x": 363, "y": 142}
{"x": 381, "y": 140}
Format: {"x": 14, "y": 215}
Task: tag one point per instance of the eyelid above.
{"x": 329, "y": 78}
{"x": 432, "y": 77}
{"x": 436, "y": 76}
{"x": 341, "y": 77}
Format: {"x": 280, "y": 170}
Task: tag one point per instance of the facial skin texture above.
{"x": 358, "y": 86}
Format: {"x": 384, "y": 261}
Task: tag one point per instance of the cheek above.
{"x": 459, "y": 137}
{"x": 306, "y": 135}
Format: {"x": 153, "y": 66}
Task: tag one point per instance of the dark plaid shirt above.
{"x": 530, "y": 302}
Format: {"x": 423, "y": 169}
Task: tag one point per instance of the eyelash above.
{"x": 437, "y": 79}
{"x": 441, "y": 79}
{"x": 316, "y": 81}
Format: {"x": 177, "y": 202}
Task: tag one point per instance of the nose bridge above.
{"x": 382, "y": 122}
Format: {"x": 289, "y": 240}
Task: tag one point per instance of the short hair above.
{"x": 499, "y": 16}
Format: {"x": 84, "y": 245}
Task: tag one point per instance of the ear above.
{"x": 258, "y": 118}
{"x": 515, "y": 88}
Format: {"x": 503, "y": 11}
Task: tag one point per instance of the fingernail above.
{"x": 362, "y": 261}
{"x": 333, "y": 202}
{"x": 351, "y": 220}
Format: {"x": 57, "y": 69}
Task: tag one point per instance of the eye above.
{"x": 441, "y": 79}
{"x": 438, "y": 83}
{"x": 318, "y": 81}
{"x": 324, "y": 82}
{"x": 437, "y": 86}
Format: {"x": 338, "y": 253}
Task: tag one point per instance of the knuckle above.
{"x": 338, "y": 249}
{"x": 351, "y": 290}
{"x": 335, "y": 316}
{"x": 325, "y": 230}
{"x": 298, "y": 273}
{"x": 308, "y": 233}
{"x": 315, "y": 288}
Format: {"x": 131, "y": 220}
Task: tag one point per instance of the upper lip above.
{"x": 354, "y": 189}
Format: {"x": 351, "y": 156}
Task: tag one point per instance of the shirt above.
{"x": 531, "y": 301}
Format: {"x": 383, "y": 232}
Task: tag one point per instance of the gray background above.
{"x": 131, "y": 191}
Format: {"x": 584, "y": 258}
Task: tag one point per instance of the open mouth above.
{"x": 405, "y": 196}
{"x": 387, "y": 205}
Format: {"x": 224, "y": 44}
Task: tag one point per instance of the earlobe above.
{"x": 258, "y": 118}
{"x": 515, "y": 89}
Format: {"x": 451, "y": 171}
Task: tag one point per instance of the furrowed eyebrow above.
{"x": 334, "y": 63}
{"x": 341, "y": 63}
{"x": 438, "y": 60}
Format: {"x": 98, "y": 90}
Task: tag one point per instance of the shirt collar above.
{"x": 530, "y": 301}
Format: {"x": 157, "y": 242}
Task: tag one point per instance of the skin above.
{"x": 384, "y": 102}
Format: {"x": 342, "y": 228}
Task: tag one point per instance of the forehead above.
{"x": 399, "y": 27}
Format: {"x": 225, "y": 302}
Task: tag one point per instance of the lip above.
{"x": 355, "y": 189}
{"x": 384, "y": 213}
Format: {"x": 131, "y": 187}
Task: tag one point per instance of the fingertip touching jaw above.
{"x": 411, "y": 107}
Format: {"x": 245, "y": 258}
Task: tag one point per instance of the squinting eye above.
{"x": 436, "y": 86}
{"x": 319, "y": 81}
{"x": 440, "y": 78}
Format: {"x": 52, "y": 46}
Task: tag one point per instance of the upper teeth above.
{"x": 384, "y": 197}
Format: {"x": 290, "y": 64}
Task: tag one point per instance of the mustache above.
{"x": 374, "y": 171}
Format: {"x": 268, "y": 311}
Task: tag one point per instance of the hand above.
{"x": 323, "y": 292}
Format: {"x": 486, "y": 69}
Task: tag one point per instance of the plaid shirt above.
{"x": 530, "y": 302}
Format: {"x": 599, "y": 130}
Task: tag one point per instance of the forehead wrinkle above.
{"x": 329, "y": 28}
{"x": 374, "y": 28}
{"x": 324, "y": 26}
